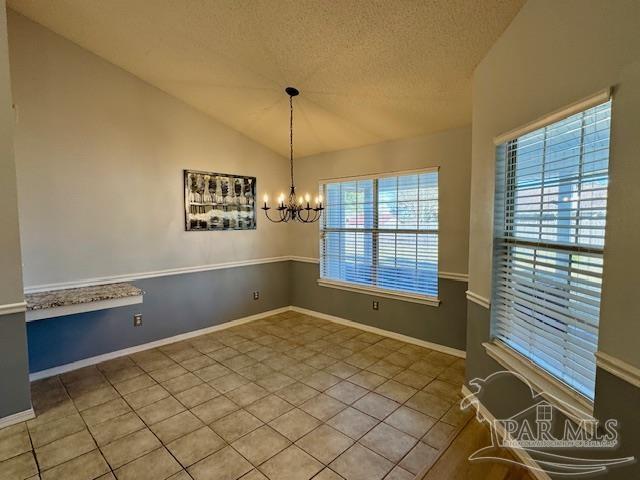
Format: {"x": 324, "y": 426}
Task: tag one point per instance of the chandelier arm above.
{"x": 266, "y": 213}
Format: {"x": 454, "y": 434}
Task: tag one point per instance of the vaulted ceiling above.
{"x": 368, "y": 71}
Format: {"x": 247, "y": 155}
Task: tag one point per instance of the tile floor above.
{"x": 289, "y": 397}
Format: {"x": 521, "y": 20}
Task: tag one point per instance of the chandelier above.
{"x": 292, "y": 208}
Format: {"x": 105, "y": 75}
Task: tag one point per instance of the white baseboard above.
{"x": 534, "y": 469}
{"x": 479, "y": 299}
{"x": 380, "y": 331}
{"x": 17, "y": 418}
{"x": 146, "y": 346}
{"x": 10, "y": 308}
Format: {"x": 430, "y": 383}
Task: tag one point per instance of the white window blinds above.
{"x": 551, "y": 199}
{"x": 382, "y": 232}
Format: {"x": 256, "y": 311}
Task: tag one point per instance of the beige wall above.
{"x": 10, "y": 272}
{"x": 449, "y": 150}
{"x": 99, "y": 158}
{"x": 551, "y": 55}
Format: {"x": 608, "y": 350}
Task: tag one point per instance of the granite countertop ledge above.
{"x": 77, "y": 296}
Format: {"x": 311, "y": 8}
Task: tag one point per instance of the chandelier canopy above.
{"x": 291, "y": 208}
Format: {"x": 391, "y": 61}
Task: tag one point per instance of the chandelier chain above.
{"x": 291, "y": 136}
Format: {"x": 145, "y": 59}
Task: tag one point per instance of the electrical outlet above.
{"x": 137, "y": 320}
{"x": 376, "y": 305}
{"x": 256, "y": 295}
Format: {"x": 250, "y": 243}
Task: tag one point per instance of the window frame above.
{"x": 408, "y": 296}
{"x": 560, "y": 393}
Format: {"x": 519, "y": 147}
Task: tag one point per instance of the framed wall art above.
{"x": 219, "y": 201}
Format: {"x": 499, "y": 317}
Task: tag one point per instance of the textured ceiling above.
{"x": 369, "y": 71}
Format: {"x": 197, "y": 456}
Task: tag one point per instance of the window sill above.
{"x": 379, "y": 292}
{"x": 575, "y": 406}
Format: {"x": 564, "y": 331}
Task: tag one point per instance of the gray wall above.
{"x": 14, "y": 382}
{"x": 172, "y": 305}
{"x": 444, "y": 325}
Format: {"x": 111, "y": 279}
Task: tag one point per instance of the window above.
{"x": 381, "y": 233}
{"x": 551, "y": 199}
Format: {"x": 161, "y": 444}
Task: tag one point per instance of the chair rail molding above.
{"x": 478, "y": 299}
{"x": 9, "y": 308}
{"x": 619, "y": 368}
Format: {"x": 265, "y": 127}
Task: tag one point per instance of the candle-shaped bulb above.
{"x": 307, "y": 197}
{"x": 316, "y": 200}
{"x": 265, "y": 198}
{"x": 300, "y": 200}
{"x": 320, "y": 198}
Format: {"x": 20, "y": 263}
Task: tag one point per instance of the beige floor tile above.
{"x": 352, "y": 423}
{"x": 323, "y": 407}
{"x": 228, "y": 382}
{"x": 147, "y": 396}
{"x": 256, "y": 371}
{"x": 64, "y": 449}
{"x": 196, "y": 395}
{"x": 85, "y": 467}
{"x": 134, "y": 384}
{"x": 225, "y": 464}
{"x": 14, "y": 445}
{"x": 347, "y": 392}
{"x": 376, "y": 405}
{"x": 101, "y": 413}
{"x": 294, "y": 424}
{"x": 360, "y": 463}
{"x": 214, "y": 409}
{"x": 389, "y": 442}
{"x": 367, "y": 379}
{"x": 168, "y": 373}
{"x": 156, "y": 465}
{"x": 176, "y": 426}
{"x": 235, "y": 425}
{"x": 196, "y": 363}
{"x": 52, "y": 412}
{"x": 324, "y": 443}
{"x": 327, "y": 474}
{"x": 291, "y": 464}
{"x": 399, "y": 473}
{"x": 95, "y": 397}
{"x": 238, "y": 362}
{"x": 275, "y": 381}
{"x": 223, "y": 354}
{"x": 181, "y": 383}
{"x": 321, "y": 380}
{"x": 399, "y": 359}
{"x": 396, "y": 391}
{"x": 254, "y": 474}
{"x": 181, "y": 475}
{"x": 426, "y": 368}
{"x": 429, "y": 404}
{"x": 162, "y": 409}
{"x": 443, "y": 390}
{"x": 320, "y": 361}
{"x": 195, "y": 446}
{"x": 440, "y": 435}
{"x": 20, "y": 467}
{"x": 342, "y": 370}
{"x": 297, "y": 393}
{"x": 128, "y": 448}
{"x": 419, "y": 458}
{"x": 413, "y": 379}
{"x": 123, "y": 374}
{"x": 212, "y": 372}
{"x": 56, "y": 429}
{"x": 261, "y": 444}
{"x": 107, "y": 432}
{"x": 456, "y": 416}
{"x": 268, "y": 408}
{"x": 410, "y": 421}
{"x": 247, "y": 394}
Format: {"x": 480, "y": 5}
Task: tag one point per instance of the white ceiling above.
{"x": 369, "y": 71}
